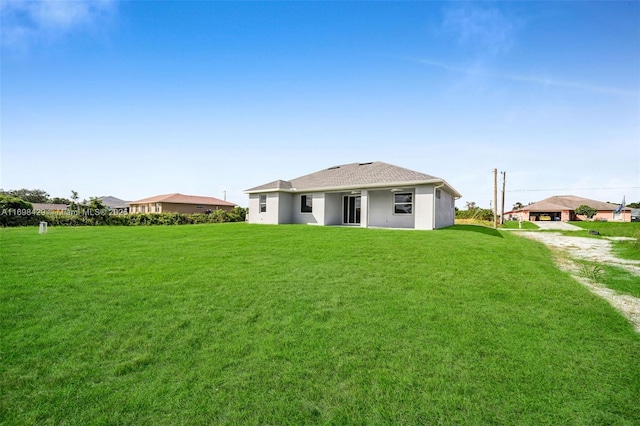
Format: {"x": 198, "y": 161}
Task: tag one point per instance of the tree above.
{"x": 16, "y": 212}
{"x": 96, "y": 204}
{"x": 74, "y": 203}
{"x": 471, "y": 205}
{"x": 30, "y": 195}
{"x": 518, "y": 205}
{"x": 634, "y": 205}
{"x": 584, "y": 210}
{"x": 59, "y": 200}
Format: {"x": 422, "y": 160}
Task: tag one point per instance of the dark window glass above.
{"x": 263, "y": 204}
{"x": 403, "y": 203}
{"x": 306, "y": 204}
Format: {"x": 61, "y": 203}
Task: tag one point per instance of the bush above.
{"x": 584, "y": 210}
{"x": 23, "y": 215}
{"x": 477, "y": 213}
{"x": 17, "y": 212}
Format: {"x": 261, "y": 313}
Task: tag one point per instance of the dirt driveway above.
{"x": 569, "y": 250}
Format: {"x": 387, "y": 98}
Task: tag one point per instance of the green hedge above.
{"x": 19, "y": 215}
{"x": 480, "y": 214}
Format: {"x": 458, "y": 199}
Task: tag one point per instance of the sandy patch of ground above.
{"x": 595, "y": 250}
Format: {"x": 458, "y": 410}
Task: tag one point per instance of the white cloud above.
{"x": 539, "y": 80}
{"x": 488, "y": 30}
{"x": 29, "y": 21}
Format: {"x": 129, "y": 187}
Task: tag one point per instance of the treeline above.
{"x": 475, "y": 213}
{"x": 35, "y": 196}
{"x": 17, "y": 212}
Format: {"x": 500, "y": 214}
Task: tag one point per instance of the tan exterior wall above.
{"x": 569, "y": 215}
{"x": 175, "y": 208}
{"x": 624, "y": 216}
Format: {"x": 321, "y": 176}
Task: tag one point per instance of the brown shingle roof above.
{"x": 351, "y": 175}
{"x": 567, "y": 202}
{"x": 275, "y": 185}
{"x": 182, "y": 199}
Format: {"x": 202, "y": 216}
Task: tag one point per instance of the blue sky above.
{"x": 139, "y": 98}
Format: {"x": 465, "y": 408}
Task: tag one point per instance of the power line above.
{"x": 572, "y": 189}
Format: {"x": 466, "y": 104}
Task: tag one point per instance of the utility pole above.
{"x": 495, "y": 198}
{"x": 504, "y": 180}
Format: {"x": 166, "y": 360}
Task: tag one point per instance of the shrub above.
{"x": 476, "y": 213}
{"x": 96, "y": 217}
{"x": 584, "y": 210}
{"x": 17, "y": 212}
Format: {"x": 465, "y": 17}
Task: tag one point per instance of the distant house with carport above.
{"x": 373, "y": 194}
{"x": 562, "y": 208}
{"x": 179, "y": 203}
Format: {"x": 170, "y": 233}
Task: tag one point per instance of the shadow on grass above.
{"x": 474, "y": 228}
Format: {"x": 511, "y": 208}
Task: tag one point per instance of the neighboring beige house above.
{"x": 114, "y": 204}
{"x": 179, "y": 203}
{"x": 562, "y": 208}
{"x": 50, "y": 208}
{"x": 374, "y": 194}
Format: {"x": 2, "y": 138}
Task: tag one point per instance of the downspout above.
{"x": 433, "y": 224}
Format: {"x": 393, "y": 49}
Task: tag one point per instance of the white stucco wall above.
{"x": 316, "y": 217}
{"x": 285, "y": 207}
{"x": 381, "y": 211}
{"x": 377, "y": 209}
{"x": 278, "y": 208}
{"x": 445, "y": 214}
{"x": 333, "y": 209}
{"x": 423, "y": 207}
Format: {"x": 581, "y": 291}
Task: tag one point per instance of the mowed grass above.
{"x": 244, "y": 324}
{"x": 514, "y": 224}
{"x": 626, "y": 249}
{"x": 611, "y": 229}
{"x": 615, "y": 278}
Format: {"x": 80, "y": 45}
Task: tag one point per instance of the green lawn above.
{"x": 612, "y": 229}
{"x": 245, "y": 324}
{"x": 613, "y": 277}
{"x": 514, "y": 224}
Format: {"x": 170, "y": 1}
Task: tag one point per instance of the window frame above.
{"x": 306, "y": 202}
{"x": 404, "y": 203}
{"x": 262, "y": 203}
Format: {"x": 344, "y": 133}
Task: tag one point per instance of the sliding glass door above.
{"x": 351, "y": 210}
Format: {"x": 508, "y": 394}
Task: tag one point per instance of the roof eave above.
{"x": 359, "y": 187}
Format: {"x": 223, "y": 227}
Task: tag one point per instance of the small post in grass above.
{"x": 43, "y": 227}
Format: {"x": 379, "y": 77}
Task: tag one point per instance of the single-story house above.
{"x": 562, "y": 208}
{"x": 374, "y": 194}
{"x": 116, "y": 205}
{"x": 50, "y": 208}
{"x": 178, "y": 203}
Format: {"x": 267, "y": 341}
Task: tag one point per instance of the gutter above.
{"x": 342, "y": 188}
{"x": 433, "y": 216}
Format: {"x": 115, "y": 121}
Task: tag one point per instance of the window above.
{"x": 437, "y": 193}
{"x": 263, "y": 204}
{"x": 403, "y": 203}
{"x": 306, "y": 204}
